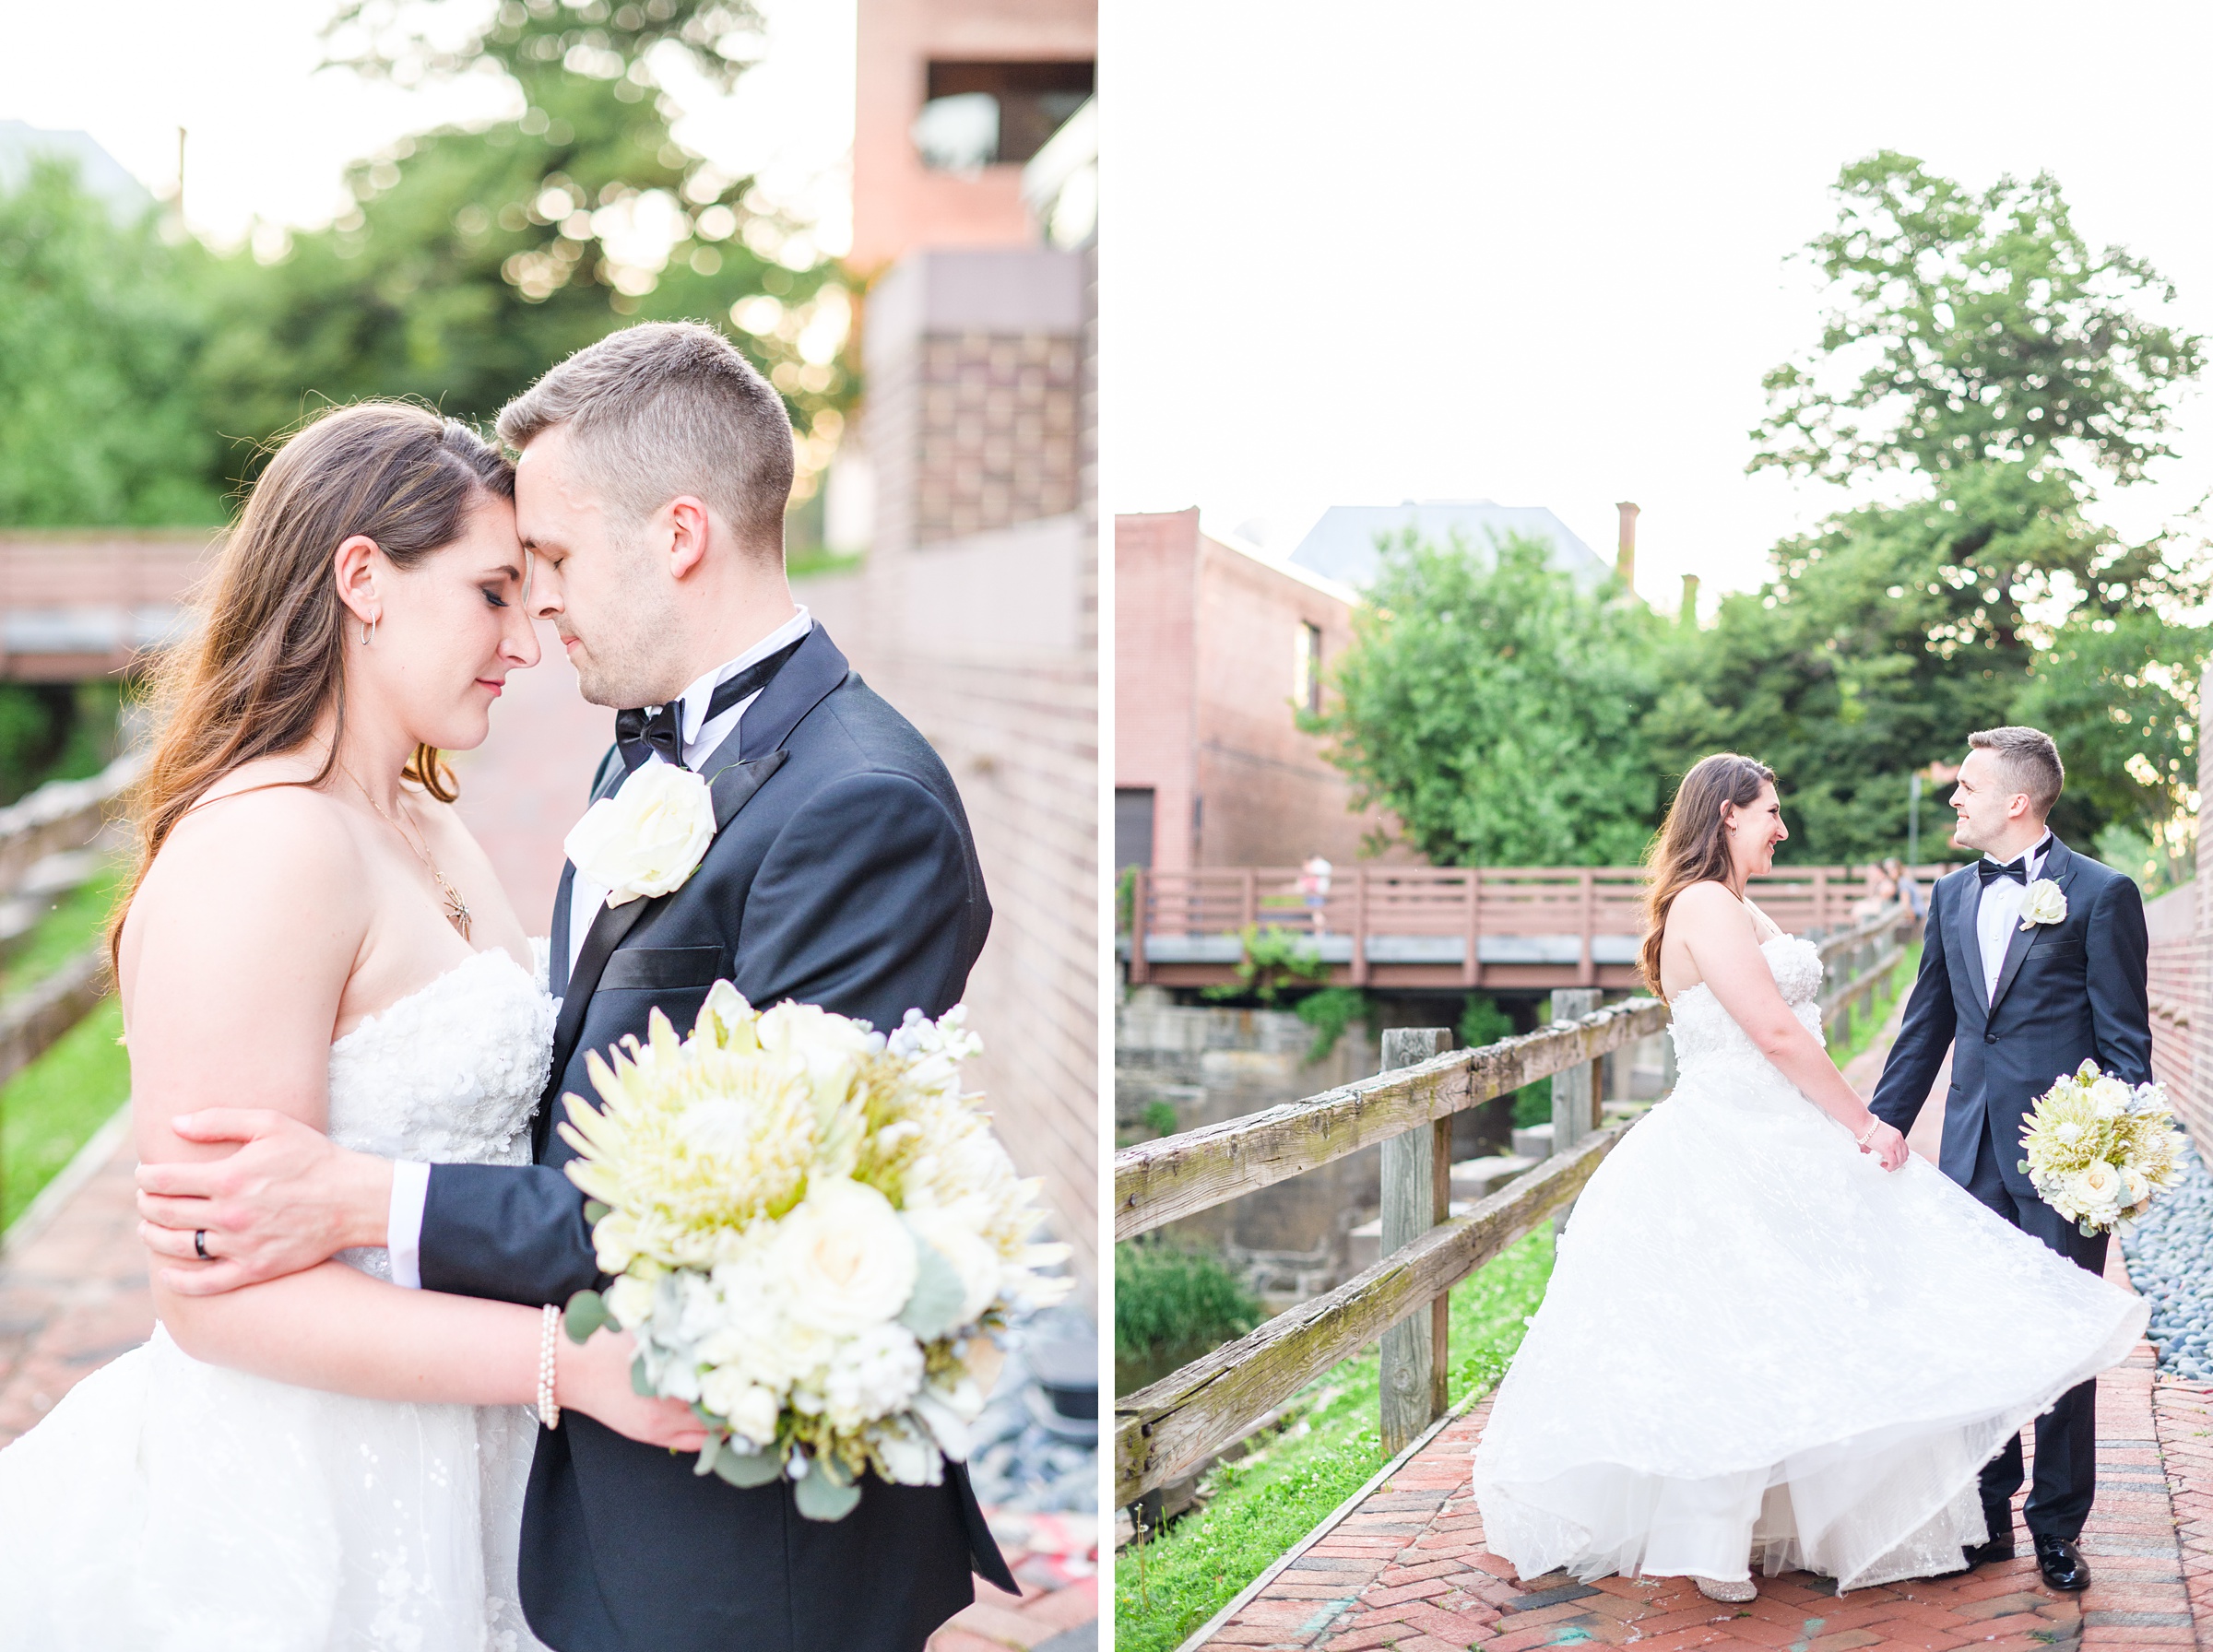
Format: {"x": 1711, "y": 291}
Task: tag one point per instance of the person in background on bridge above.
{"x": 2044, "y": 996}
{"x": 1772, "y": 1338}
{"x": 1314, "y": 887}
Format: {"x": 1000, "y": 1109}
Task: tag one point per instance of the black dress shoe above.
{"x": 2062, "y": 1565}
{"x": 1981, "y": 1554}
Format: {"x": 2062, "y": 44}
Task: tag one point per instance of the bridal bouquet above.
{"x": 2098, "y": 1149}
{"x": 813, "y": 1234}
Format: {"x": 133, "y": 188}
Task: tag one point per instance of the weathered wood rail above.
{"x": 1439, "y": 926}
{"x": 1172, "y": 1427}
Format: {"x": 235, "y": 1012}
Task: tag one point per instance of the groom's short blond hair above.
{"x": 665, "y": 408}
{"x": 2029, "y": 759}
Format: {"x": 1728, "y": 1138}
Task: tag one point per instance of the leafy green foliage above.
{"x": 1982, "y": 326}
{"x": 1160, "y": 1117}
{"x": 99, "y": 422}
{"x": 1168, "y": 1298}
{"x": 1261, "y": 1505}
{"x": 1330, "y": 1012}
{"x": 1493, "y": 706}
{"x": 1273, "y": 962}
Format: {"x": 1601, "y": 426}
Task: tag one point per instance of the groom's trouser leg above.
{"x": 2067, "y": 1435}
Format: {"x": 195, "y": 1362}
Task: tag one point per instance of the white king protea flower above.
{"x": 2047, "y": 903}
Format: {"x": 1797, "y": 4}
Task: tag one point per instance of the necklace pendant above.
{"x": 457, "y": 912}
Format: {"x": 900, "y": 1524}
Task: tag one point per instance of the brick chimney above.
{"x": 1625, "y": 560}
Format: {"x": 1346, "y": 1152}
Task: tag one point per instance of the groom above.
{"x": 656, "y": 468}
{"x": 2023, "y": 988}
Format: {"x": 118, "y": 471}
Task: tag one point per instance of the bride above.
{"x": 326, "y": 1460}
{"x": 1772, "y": 1338}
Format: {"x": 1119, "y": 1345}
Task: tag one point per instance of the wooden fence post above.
{"x": 1417, "y": 1197}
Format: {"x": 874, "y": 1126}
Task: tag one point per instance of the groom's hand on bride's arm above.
{"x": 285, "y": 1200}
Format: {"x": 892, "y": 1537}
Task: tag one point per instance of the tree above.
{"x": 1492, "y": 704}
{"x": 1999, "y": 364}
{"x": 1982, "y": 326}
{"x": 473, "y": 260}
{"x": 98, "y": 422}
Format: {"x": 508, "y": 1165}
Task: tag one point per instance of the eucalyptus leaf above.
{"x": 593, "y": 1211}
{"x": 749, "y": 1467}
{"x": 709, "y": 1456}
{"x": 586, "y": 1312}
{"x": 935, "y": 1306}
{"x": 640, "y": 1382}
{"x": 820, "y": 1498}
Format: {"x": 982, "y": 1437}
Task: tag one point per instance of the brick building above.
{"x": 969, "y": 477}
{"x": 1216, "y": 647}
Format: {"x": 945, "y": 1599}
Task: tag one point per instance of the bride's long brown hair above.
{"x": 268, "y": 649}
{"x": 1692, "y": 845}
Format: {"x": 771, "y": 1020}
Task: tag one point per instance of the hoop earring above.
{"x": 369, "y": 631}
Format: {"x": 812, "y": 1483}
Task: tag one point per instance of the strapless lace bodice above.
{"x": 1703, "y": 1030}
{"x": 447, "y": 1075}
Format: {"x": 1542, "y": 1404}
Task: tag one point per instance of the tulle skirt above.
{"x": 167, "y": 1505}
{"x": 1760, "y": 1350}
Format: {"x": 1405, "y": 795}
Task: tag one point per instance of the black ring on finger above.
{"x": 199, "y": 1244}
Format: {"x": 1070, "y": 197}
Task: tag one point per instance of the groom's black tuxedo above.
{"x": 842, "y": 874}
{"x": 2068, "y": 993}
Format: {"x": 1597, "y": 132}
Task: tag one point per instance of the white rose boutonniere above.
{"x": 2047, "y": 903}
{"x": 648, "y": 837}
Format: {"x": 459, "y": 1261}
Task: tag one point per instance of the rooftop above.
{"x": 1341, "y": 545}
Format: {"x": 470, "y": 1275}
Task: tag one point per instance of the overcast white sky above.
{"x": 271, "y": 136}
{"x": 1437, "y": 249}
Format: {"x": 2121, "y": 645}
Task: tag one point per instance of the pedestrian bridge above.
{"x": 1430, "y": 928}
{"x": 81, "y": 603}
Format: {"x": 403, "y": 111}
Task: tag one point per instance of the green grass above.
{"x": 1867, "y": 1021}
{"x": 1266, "y": 1502}
{"x": 52, "y": 1107}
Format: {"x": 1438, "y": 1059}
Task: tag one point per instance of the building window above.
{"x": 1132, "y": 826}
{"x": 981, "y": 114}
{"x": 1306, "y": 673}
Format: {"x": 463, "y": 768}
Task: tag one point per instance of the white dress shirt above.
{"x": 412, "y": 1181}
{"x": 2000, "y": 916}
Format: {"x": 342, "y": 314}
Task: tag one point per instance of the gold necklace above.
{"x": 456, "y": 909}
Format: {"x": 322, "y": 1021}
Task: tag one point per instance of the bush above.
{"x": 1484, "y": 1022}
{"x": 1167, "y": 1299}
{"x": 1330, "y": 1012}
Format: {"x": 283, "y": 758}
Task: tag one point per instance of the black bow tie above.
{"x": 1990, "y": 872}
{"x": 639, "y": 733}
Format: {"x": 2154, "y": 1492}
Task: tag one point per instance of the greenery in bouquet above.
{"x": 2098, "y": 1149}
{"x": 813, "y": 1233}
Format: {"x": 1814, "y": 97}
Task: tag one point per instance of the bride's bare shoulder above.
{"x": 1704, "y": 900}
{"x": 262, "y": 827}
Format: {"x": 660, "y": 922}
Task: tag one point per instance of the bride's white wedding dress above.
{"x": 167, "y": 1505}
{"x": 1758, "y": 1345}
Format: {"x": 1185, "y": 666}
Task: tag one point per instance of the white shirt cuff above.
{"x": 403, "y": 1225}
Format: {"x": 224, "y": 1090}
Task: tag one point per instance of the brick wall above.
{"x": 2181, "y": 922}
{"x": 1206, "y": 638}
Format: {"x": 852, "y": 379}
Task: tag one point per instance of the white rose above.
{"x": 2110, "y": 1096}
{"x": 648, "y": 837}
{"x": 2047, "y": 903}
{"x": 970, "y": 1253}
{"x": 2135, "y": 1184}
{"x": 2095, "y": 1185}
{"x": 846, "y": 1258}
{"x": 630, "y": 1302}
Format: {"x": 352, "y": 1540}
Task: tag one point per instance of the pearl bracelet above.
{"x": 548, "y": 1412}
{"x": 1871, "y": 1129}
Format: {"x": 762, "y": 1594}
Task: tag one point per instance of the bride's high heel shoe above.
{"x": 1731, "y": 1594}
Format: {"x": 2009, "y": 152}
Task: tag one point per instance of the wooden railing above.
{"x": 1442, "y": 925}
{"x": 1170, "y": 1428}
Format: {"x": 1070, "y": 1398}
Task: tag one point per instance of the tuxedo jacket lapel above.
{"x": 1966, "y": 961}
{"x": 730, "y": 790}
{"x": 2059, "y": 867}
